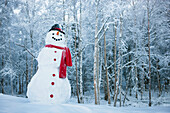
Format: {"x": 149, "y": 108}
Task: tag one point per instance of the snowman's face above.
{"x": 55, "y": 38}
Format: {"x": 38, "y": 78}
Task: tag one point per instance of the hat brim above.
{"x": 56, "y": 30}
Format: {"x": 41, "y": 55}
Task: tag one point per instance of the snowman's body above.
{"x": 46, "y": 86}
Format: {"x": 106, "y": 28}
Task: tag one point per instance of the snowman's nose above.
{"x": 57, "y": 33}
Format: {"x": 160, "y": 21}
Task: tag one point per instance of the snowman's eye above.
{"x": 60, "y": 35}
{"x": 52, "y": 33}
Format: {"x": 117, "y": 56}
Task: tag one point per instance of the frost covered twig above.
{"x": 25, "y": 49}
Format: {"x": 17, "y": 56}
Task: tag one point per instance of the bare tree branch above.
{"x": 25, "y": 49}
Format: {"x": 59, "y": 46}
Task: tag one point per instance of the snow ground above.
{"x": 11, "y": 104}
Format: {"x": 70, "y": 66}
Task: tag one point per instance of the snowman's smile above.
{"x": 56, "y": 39}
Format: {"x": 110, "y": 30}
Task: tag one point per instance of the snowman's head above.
{"x": 56, "y": 36}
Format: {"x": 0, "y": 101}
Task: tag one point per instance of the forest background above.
{"x": 120, "y": 48}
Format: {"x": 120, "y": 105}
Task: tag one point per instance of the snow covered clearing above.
{"x": 11, "y": 104}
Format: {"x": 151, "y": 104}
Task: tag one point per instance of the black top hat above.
{"x": 57, "y": 27}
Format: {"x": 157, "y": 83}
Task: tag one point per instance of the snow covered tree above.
{"x": 132, "y": 53}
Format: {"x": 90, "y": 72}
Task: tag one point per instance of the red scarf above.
{"x": 65, "y": 60}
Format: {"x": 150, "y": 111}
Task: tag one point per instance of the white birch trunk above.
{"x": 142, "y": 84}
{"x": 107, "y": 78}
{"x": 77, "y": 91}
{"x": 2, "y": 80}
{"x": 158, "y": 77}
{"x": 98, "y": 90}
{"x": 119, "y": 63}
{"x": 81, "y": 73}
{"x": 135, "y": 39}
{"x": 100, "y": 76}
{"x": 121, "y": 82}
{"x": 63, "y": 14}
{"x": 11, "y": 74}
{"x": 115, "y": 74}
{"x": 149, "y": 53}
{"x": 95, "y": 52}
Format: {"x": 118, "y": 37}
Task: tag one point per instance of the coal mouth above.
{"x": 56, "y": 39}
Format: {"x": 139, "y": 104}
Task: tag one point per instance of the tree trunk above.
{"x": 11, "y": 76}
{"x": 149, "y": 54}
{"x": 117, "y": 82}
{"x": 107, "y": 78}
{"x": 115, "y": 60}
{"x": 30, "y": 15}
{"x": 32, "y": 58}
{"x": 97, "y": 75}
{"x": 81, "y": 71}
{"x": 2, "y": 63}
{"x": 135, "y": 39}
{"x": 19, "y": 77}
{"x": 77, "y": 91}
{"x": 2, "y": 80}
{"x": 2, "y": 84}
{"x": 158, "y": 77}
{"x": 67, "y": 28}
{"x": 64, "y": 15}
{"x": 119, "y": 64}
{"x": 16, "y": 85}
{"x": 136, "y": 82}
{"x": 22, "y": 84}
{"x": 96, "y": 53}
{"x": 95, "y": 66}
{"x": 121, "y": 82}
{"x": 26, "y": 65}
{"x": 101, "y": 69}
{"x": 75, "y": 46}
{"x": 142, "y": 85}
{"x": 104, "y": 85}
{"x": 12, "y": 91}
{"x": 98, "y": 90}
{"x": 27, "y": 76}
{"x": 127, "y": 86}
{"x": 130, "y": 78}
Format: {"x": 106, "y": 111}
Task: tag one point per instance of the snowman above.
{"x": 50, "y": 84}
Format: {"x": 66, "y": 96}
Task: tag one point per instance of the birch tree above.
{"x": 119, "y": 64}
{"x": 149, "y": 73}
{"x": 107, "y": 78}
{"x": 115, "y": 74}
{"x": 135, "y": 39}
{"x": 96, "y": 51}
{"x": 75, "y": 47}
{"x": 80, "y": 48}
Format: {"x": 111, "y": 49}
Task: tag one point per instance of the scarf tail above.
{"x": 65, "y": 61}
